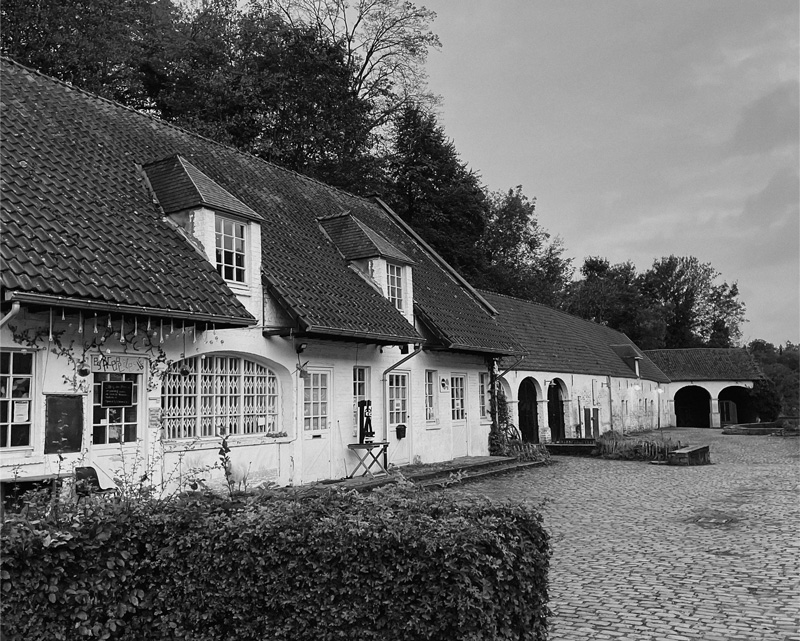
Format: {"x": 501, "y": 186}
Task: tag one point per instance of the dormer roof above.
{"x": 357, "y": 241}
{"x": 179, "y": 185}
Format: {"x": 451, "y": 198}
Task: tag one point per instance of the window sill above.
{"x": 214, "y": 442}
{"x": 433, "y": 425}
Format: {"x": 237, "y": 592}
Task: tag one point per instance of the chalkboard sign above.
{"x": 63, "y": 424}
{"x": 116, "y": 394}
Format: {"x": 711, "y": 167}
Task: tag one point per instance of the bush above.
{"x": 395, "y": 564}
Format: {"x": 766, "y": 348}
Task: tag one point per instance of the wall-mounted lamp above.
{"x": 83, "y": 370}
{"x": 637, "y": 387}
{"x": 659, "y": 390}
{"x": 300, "y": 348}
{"x": 185, "y": 371}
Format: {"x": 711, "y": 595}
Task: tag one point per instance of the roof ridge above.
{"x": 171, "y": 125}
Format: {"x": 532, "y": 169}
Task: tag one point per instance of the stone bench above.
{"x": 697, "y": 455}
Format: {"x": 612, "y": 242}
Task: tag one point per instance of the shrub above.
{"x": 397, "y": 564}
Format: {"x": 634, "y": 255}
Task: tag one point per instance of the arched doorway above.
{"x": 692, "y": 407}
{"x": 555, "y": 410}
{"x": 736, "y": 406}
{"x": 528, "y": 411}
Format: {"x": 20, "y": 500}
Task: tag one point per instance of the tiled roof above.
{"x": 706, "y": 364}
{"x": 77, "y": 222}
{"x": 555, "y": 341}
{"x": 71, "y": 185}
{"x": 356, "y": 240}
{"x": 179, "y": 185}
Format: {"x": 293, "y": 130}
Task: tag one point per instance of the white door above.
{"x": 397, "y": 395}
{"x": 316, "y": 426}
{"x": 458, "y": 413}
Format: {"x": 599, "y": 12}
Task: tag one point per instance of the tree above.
{"x": 98, "y": 45}
{"x": 611, "y": 295}
{"x": 698, "y": 311}
{"x": 781, "y": 366}
{"x": 385, "y": 42}
{"x": 521, "y": 259}
{"x": 435, "y": 192}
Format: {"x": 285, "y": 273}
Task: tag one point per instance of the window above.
{"x": 457, "y": 397}
{"x": 114, "y": 424}
{"x": 315, "y": 402}
{"x": 230, "y": 244}
{"x": 485, "y": 395}
{"x": 398, "y": 399}
{"x": 16, "y": 381}
{"x": 215, "y": 395}
{"x": 431, "y": 395}
{"x": 360, "y": 389}
{"x": 394, "y": 285}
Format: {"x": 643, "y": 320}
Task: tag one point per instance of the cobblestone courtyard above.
{"x": 645, "y": 552}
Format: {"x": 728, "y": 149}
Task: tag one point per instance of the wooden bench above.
{"x": 697, "y": 455}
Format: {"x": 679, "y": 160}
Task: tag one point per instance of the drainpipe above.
{"x": 417, "y": 350}
{"x": 15, "y": 306}
{"x": 610, "y": 404}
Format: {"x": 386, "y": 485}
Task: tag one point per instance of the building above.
{"x": 161, "y": 292}
{"x": 710, "y": 387}
{"x": 576, "y": 379}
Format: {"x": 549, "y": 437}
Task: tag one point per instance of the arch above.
{"x": 529, "y": 410}
{"x": 692, "y": 407}
{"x": 736, "y": 406}
{"x": 556, "y": 393}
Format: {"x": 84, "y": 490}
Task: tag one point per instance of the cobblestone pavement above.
{"x": 646, "y": 552}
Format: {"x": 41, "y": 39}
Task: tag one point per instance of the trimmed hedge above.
{"x": 390, "y": 565}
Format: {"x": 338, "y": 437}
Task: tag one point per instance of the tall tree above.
{"x": 435, "y": 192}
{"x": 386, "y": 43}
{"x": 699, "y": 311}
{"x": 782, "y": 366}
{"x": 521, "y": 259}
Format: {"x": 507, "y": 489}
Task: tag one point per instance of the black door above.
{"x": 528, "y": 415}
{"x": 555, "y": 412}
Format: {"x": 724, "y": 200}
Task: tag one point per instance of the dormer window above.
{"x": 231, "y": 240}
{"x": 394, "y": 285}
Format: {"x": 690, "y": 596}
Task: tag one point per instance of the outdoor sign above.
{"x": 63, "y": 423}
{"x": 116, "y": 394}
{"x": 121, "y": 364}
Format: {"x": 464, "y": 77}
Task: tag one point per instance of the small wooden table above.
{"x": 368, "y": 454}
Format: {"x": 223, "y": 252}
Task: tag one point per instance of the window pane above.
{"x": 23, "y": 363}
{"x": 20, "y": 435}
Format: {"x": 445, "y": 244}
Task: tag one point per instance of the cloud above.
{"x": 768, "y": 123}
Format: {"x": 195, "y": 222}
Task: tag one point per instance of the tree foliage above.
{"x": 521, "y": 260}
{"x": 676, "y": 303}
{"x": 781, "y": 365}
{"x": 385, "y": 42}
{"x": 435, "y": 192}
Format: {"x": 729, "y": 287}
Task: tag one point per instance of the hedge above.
{"x": 390, "y": 565}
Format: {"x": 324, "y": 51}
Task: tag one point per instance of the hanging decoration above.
{"x": 50, "y": 337}
{"x": 161, "y": 335}
{"x": 80, "y": 322}
{"x": 95, "y": 322}
{"x": 122, "y": 330}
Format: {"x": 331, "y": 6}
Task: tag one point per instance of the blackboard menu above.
{"x": 116, "y": 394}
{"x": 64, "y": 423}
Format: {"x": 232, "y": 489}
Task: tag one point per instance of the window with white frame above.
{"x": 114, "y": 424}
{"x": 485, "y": 395}
{"x": 394, "y": 285}
{"x": 398, "y": 398}
{"x": 458, "y": 408}
{"x": 219, "y": 395}
{"x": 16, "y": 386}
{"x": 315, "y": 402}
{"x": 360, "y": 389}
{"x": 431, "y": 396}
{"x": 231, "y": 240}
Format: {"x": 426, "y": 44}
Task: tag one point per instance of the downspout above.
{"x": 15, "y": 306}
{"x": 416, "y": 351}
{"x": 610, "y": 405}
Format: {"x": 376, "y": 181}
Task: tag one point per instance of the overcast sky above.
{"x": 643, "y": 128}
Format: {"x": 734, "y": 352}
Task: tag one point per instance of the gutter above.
{"x": 121, "y": 308}
{"x": 15, "y": 307}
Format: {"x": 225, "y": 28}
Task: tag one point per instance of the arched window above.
{"x": 215, "y": 395}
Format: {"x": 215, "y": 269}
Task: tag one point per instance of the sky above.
{"x": 643, "y": 128}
